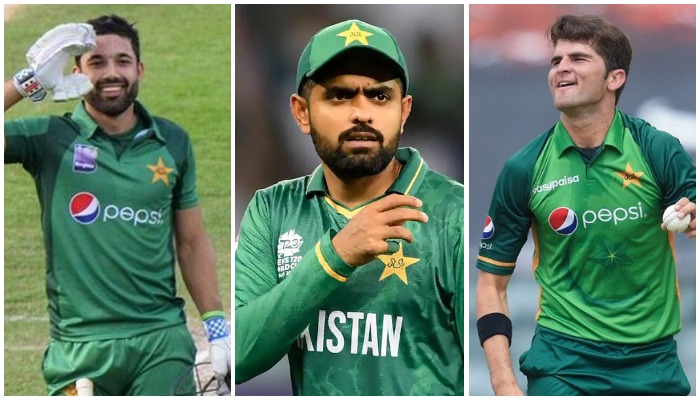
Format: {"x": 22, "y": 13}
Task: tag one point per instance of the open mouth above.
{"x": 566, "y": 84}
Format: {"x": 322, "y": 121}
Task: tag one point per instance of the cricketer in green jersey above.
{"x": 592, "y": 189}
{"x": 115, "y": 185}
{"x": 356, "y": 272}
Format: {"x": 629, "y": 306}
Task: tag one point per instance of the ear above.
{"x": 616, "y": 79}
{"x": 406, "y": 104}
{"x": 140, "y": 71}
{"x": 300, "y": 112}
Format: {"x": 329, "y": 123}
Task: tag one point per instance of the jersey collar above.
{"x": 88, "y": 126}
{"x": 408, "y": 182}
{"x": 613, "y": 138}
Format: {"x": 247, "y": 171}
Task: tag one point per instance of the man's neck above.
{"x": 123, "y": 122}
{"x": 588, "y": 128}
{"x": 354, "y": 192}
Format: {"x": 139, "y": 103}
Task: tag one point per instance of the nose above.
{"x": 563, "y": 66}
{"x": 111, "y": 69}
{"x": 360, "y": 111}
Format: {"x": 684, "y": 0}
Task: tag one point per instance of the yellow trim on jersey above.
{"x": 327, "y": 267}
{"x": 536, "y": 256}
{"x": 342, "y": 210}
{"x": 496, "y": 263}
{"x": 410, "y": 185}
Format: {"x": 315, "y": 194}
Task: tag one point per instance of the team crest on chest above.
{"x": 630, "y": 176}
{"x": 160, "y": 172}
{"x": 396, "y": 264}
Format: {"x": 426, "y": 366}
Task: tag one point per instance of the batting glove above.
{"x": 49, "y": 57}
{"x": 219, "y": 345}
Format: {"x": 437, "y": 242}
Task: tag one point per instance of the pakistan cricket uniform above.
{"x": 390, "y": 327}
{"x": 605, "y": 268}
{"x": 107, "y": 207}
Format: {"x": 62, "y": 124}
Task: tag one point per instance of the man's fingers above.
{"x": 397, "y": 200}
{"x": 399, "y": 216}
{"x": 398, "y": 232}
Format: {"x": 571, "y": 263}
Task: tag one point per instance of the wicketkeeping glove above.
{"x": 219, "y": 345}
{"x": 49, "y": 57}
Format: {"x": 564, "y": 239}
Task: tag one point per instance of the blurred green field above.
{"x": 186, "y": 50}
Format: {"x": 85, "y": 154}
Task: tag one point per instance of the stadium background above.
{"x": 509, "y": 104}
{"x": 269, "y": 145}
{"x": 187, "y": 53}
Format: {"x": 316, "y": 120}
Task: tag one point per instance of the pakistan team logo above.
{"x": 289, "y": 243}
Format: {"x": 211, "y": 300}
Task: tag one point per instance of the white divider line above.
{"x": 27, "y": 318}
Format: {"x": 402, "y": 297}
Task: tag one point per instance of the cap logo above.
{"x": 355, "y": 34}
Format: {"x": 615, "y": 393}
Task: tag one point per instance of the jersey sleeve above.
{"x": 672, "y": 167}
{"x": 187, "y": 190}
{"x": 509, "y": 218}
{"x": 458, "y": 306}
{"x": 23, "y": 141}
{"x": 269, "y": 315}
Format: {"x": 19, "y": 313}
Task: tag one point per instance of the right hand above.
{"x": 364, "y": 237}
{"x": 49, "y": 57}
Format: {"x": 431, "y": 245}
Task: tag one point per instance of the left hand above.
{"x": 686, "y": 207}
{"x": 219, "y": 336}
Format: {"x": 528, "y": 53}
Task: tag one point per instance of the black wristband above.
{"x": 494, "y": 324}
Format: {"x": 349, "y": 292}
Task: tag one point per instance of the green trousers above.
{"x": 562, "y": 365}
{"x": 146, "y": 365}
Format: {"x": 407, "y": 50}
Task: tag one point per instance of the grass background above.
{"x": 186, "y": 50}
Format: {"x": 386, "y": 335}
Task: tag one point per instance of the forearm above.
{"x": 198, "y": 267}
{"x": 267, "y": 327}
{"x": 12, "y": 96}
{"x": 491, "y": 298}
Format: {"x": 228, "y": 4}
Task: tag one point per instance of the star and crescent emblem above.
{"x": 355, "y": 34}
{"x": 160, "y": 172}
{"x": 396, "y": 264}
{"x": 629, "y": 176}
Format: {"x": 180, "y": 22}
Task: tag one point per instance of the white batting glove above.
{"x": 48, "y": 59}
{"x": 219, "y": 346}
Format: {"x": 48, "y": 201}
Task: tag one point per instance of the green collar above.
{"x": 614, "y": 137}
{"x": 408, "y": 182}
{"x": 88, "y": 126}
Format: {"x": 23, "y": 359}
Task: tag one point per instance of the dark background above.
{"x": 270, "y": 147}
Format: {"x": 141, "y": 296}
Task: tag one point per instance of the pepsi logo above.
{"x": 84, "y": 208}
{"x": 489, "y": 229}
{"x": 563, "y": 220}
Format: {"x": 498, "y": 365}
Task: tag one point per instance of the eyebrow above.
{"x": 348, "y": 92}
{"x": 576, "y": 54}
{"x": 118, "y": 56}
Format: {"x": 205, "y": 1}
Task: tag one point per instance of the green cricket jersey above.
{"x": 605, "y": 268}
{"x": 390, "y": 327}
{"x": 107, "y": 216}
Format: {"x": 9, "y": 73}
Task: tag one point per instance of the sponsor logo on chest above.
{"x": 85, "y": 208}
{"x": 548, "y": 186}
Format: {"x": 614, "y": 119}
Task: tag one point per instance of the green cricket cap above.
{"x": 332, "y": 41}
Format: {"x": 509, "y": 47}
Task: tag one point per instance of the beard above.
{"x": 115, "y": 106}
{"x": 357, "y": 163}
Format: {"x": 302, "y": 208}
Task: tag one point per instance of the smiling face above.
{"x": 115, "y": 72}
{"x": 578, "y": 78}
